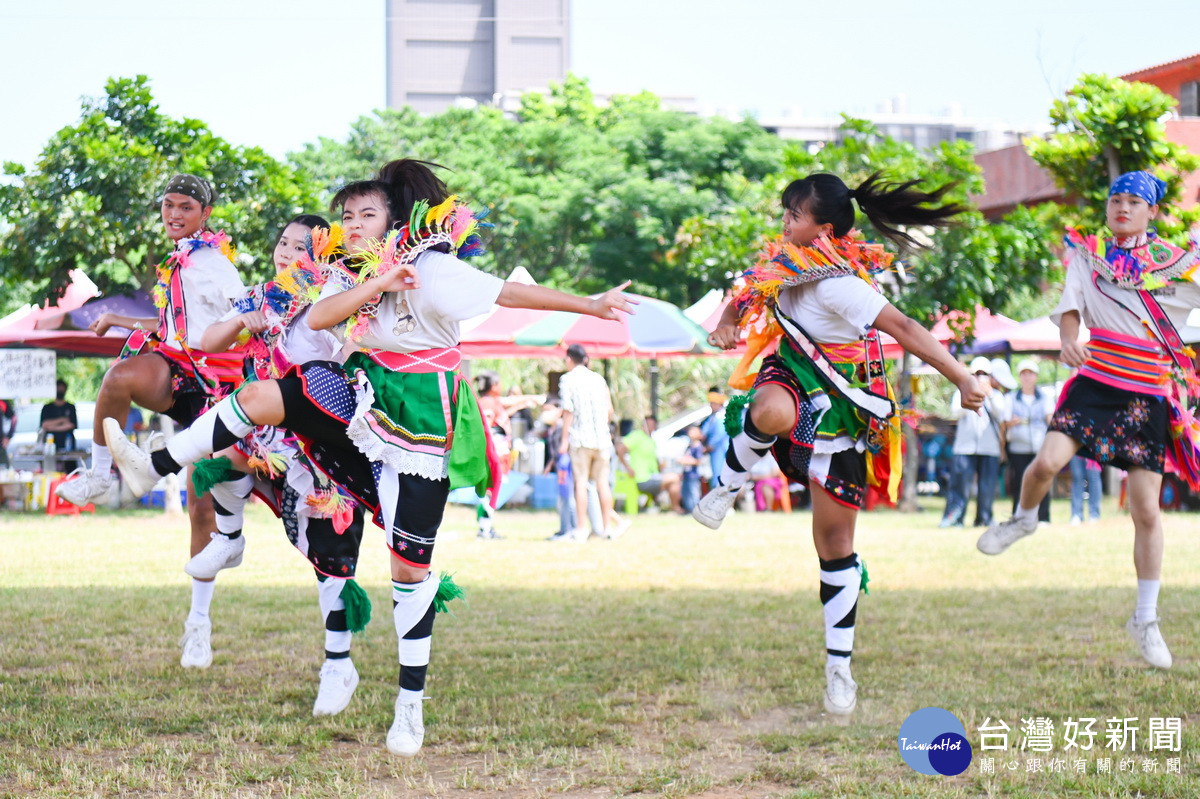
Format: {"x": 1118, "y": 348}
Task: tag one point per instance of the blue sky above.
{"x": 279, "y": 73}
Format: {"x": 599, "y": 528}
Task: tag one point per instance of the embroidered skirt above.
{"x": 1114, "y": 426}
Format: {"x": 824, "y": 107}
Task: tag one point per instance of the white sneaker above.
{"x": 84, "y": 486}
{"x": 841, "y": 692}
{"x": 222, "y": 552}
{"x": 714, "y": 506}
{"x": 619, "y": 529}
{"x": 197, "y": 651}
{"x": 408, "y": 730}
{"x": 1000, "y": 537}
{"x": 133, "y": 462}
{"x": 339, "y": 678}
{"x": 1076, "y": 521}
{"x": 1150, "y": 641}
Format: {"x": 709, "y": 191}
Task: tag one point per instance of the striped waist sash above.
{"x": 440, "y": 359}
{"x": 1127, "y": 363}
{"x": 854, "y": 352}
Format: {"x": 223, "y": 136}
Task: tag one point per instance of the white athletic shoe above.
{"x": 841, "y": 692}
{"x": 84, "y": 486}
{"x": 407, "y": 732}
{"x": 714, "y": 506}
{"x": 1000, "y": 537}
{"x": 339, "y": 678}
{"x": 1150, "y": 641}
{"x": 134, "y": 463}
{"x": 197, "y": 650}
{"x": 221, "y": 552}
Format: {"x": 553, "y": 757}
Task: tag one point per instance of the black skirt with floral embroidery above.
{"x": 1114, "y": 426}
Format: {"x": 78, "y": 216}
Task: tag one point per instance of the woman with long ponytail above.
{"x": 821, "y": 404}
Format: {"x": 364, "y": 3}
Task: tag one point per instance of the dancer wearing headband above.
{"x": 1128, "y": 406}
{"x": 397, "y": 427}
{"x": 164, "y": 368}
{"x": 821, "y": 404}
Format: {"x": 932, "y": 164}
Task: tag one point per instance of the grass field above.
{"x": 672, "y": 662}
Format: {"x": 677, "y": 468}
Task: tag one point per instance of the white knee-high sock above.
{"x": 333, "y": 611}
{"x": 229, "y": 503}
{"x": 840, "y": 582}
{"x": 745, "y": 450}
{"x": 221, "y": 426}
{"x": 413, "y": 613}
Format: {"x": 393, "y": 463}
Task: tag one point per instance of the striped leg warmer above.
{"x": 745, "y": 449}
{"x": 840, "y": 583}
{"x": 413, "y": 612}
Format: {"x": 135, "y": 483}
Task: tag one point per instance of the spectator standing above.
{"x": 59, "y": 421}
{"x": 8, "y": 428}
{"x": 586, "y": 411}
{"x": 1085, "y": 478}
{"x": 1027, "y": 419}
{"x": 976, "y": 451}
{"x": 716, "y": 439}
{"x": 693, "y": 456}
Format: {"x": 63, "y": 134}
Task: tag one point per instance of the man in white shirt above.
{"x": 586, "y": 412}
{"x": 977, "y": 446}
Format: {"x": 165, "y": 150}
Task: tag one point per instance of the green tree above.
{"x": 582, "y": 195}
{"x": 1105, "y": 127}
{"x": 91, "y": 200}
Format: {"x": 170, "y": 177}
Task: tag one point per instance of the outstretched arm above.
{"x": 541, "y": 298}
{"x": 920, "y": 342}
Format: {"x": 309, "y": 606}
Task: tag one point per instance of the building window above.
{"x": 1189, "y": 99}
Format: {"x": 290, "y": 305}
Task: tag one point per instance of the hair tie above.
{"x": 854, "y": 194}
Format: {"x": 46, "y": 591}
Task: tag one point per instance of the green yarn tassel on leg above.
{"x": 447, "y": 591}
{"x": 866, "y": 578}
{"x": 358, "y": 606}
{"x": 210, "y": 471}
{"x": 733, "y": 413}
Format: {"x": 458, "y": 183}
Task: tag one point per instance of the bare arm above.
{"x": 108, "y": 320}
{"x": 220, "y": 336}
{"x": 1073, "y": 353}
{"x": 726, "y": 334}
{"x": 565, "y": 444}
{"x": 541, "y": 298}
{"x": 920, "y": 342}
{"x": 338, "y": 308}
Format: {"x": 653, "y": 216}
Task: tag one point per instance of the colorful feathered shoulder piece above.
{"x": 449, "y": 224}
{"x": 181, "y": 258}
{"x": 781, "y": 265}
{"x": 1148, "y": 267}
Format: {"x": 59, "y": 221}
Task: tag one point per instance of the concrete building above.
{"x": 440, "y": 52}
{"x": 1013, "y": 178}
{"x": 894, "y": 119}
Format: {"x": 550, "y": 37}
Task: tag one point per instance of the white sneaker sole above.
{"x": 708, "y": 521}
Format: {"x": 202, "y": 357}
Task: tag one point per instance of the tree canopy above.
{"x": 91, "y": 199}
{"x": 583, "y": 195}
{"x": 1104, "y": 127}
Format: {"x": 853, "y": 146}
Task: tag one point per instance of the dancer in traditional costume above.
{"x": 397, "y": 427}
{"x": 1130, "y": 405}
{"x": 164, "y": 368}
{"x": 821, "y": 404}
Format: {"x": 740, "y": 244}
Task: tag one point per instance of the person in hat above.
{"x": 164, "y": 368}
{"x": 1128, "y": 405}
{"x": 1026, "y": 420}
{"x": 821, "y": 404}
{"x": 977, "y": 446}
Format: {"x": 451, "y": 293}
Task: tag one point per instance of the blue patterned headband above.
{"x": 1139, "y": 184}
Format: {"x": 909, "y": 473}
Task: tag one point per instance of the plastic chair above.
{"x": 59, "y": 507}
{"x": 626, "y": 486}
